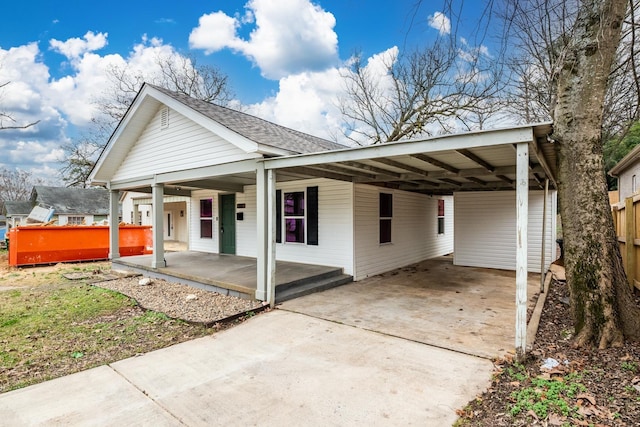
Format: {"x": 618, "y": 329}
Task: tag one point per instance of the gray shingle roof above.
{"x": 64, "y": 200}
{"x": 13, "y": 207}
{"x": 254, "y": 128}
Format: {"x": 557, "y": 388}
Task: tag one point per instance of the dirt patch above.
{"x": 600, "y": 387}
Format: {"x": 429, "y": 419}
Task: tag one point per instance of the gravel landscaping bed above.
{"x": 181, "y": 301}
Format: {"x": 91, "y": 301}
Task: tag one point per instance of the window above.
{"x": 206, "y": 218}
{"x": 75, "y": 220}
{"x": 386, "y": 214}
{"x": 440, "y": 216}
{"x": 294, "y": 217}
{"x": 297, "y": 212}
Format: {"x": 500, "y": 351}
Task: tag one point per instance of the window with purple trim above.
{"x": 294, "y": 217}
{"x": 206, "y": 218}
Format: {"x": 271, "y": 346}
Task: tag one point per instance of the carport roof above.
{"x": 472, "y": 161}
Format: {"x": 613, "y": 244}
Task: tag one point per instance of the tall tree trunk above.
{"x": 602, "y": 302}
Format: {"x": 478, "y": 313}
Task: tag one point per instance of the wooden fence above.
{"x": 626, "y": 220}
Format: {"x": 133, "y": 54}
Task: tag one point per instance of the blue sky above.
{"x": 282, "y": 57}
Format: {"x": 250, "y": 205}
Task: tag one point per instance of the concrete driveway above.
{"x": 278, "y": 368}
{"x": 407, "y": 347}
{"x": 465, "y": 309}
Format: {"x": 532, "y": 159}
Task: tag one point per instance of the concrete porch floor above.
{"x": 465, "y": 309}
{"x": 227, "y": 274}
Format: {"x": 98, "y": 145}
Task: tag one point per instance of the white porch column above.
{"x": 271, "y": 236}
{"x": 522, "y": 214}
{"x": 114, "y": 228}
{"x": 157, "y": 208}
{"x": 261, "y": 229}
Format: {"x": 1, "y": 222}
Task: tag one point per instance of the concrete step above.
{"x": 309, "y": 279}
{"x": 306, "y": 286}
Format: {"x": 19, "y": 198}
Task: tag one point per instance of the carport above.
{"x": 519, "y": 159}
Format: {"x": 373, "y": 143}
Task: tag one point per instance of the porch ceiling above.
{"x": 476, "y": 161}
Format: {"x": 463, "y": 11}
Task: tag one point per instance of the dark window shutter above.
{"x": 312, "y": 215}
{"x": 279, "y": 216}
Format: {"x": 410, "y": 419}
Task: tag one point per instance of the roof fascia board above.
{"x": 431, "y": 145}
{"x": 205, "y": 172}
{"x": 626, "y": 161}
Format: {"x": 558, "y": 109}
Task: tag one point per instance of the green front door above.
{"x": 228, "y": 224}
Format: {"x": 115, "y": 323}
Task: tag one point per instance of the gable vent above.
{"x": 164, "y": 118}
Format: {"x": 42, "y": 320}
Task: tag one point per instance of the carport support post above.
{"x": 114, "y": 226}
{"x": 157, "y": 200}
{"x": 543, "y": 254}
{"x": 522, "y": 214}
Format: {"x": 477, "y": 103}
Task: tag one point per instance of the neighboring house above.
{"x": 73, "y": 206}
{"x": 627, "y": 171}
{"x": 254, "y": 188}
{"x": 16, "y": 212}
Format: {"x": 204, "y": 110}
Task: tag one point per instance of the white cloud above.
{"x": 214, "y": 32}
{"x": 33, "y": 95}
{"x": 440, "y": 22}
{"x": 289, "y": 37}
{"x": 306, "y": 102}
{"x": 74, "y": 48}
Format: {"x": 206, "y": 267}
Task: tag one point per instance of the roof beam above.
{"x": 365, "y": 167}
{"x": 473, "y": 157}
{"x": 345, "y": 171}
{"x": 402, "y": 166}
{"x": 534, "y": 146}
{"x": 435, "y": 162}
{"x": 320, "y": 174}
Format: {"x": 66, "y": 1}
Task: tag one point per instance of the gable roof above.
{"x": 13, "y": 207}
{"x": 254, "y": 128}
{"x": 64, "y": 200}
{"x": 247, "y": 132}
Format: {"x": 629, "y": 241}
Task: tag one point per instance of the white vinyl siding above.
{"x": 485, "y": 229}
{"x": 335, "y": 225}
{"x": 625, "y": 181}
{"x": 414, "y": 230}
{"x": 182, "y": 145}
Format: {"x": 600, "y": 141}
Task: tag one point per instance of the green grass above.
{"x": 544, "y": 396}
{"x": 50, "y": 331}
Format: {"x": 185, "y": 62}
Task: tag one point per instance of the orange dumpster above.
{"x": 31, "y": 245}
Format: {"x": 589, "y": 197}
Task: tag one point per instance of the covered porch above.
{"x": 234, "y": 275}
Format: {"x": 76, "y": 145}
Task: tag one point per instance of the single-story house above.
{"x": 16, "y": 212}
{"x": 627, "y": 171}
{"x": 257, "y": 189}
{"x": 73, "y": 206}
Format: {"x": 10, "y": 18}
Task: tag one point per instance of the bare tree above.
{"x": 16, "y": 185}
{"x": 397, "y": 96}
{"x": 175, "y": 72}
{"x": 602, "y": 303}
{"x": 8, "y": 117}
